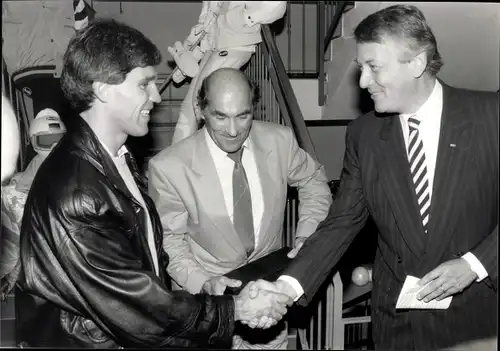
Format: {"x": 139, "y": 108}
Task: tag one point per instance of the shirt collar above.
{"x": 429, "y": 105}
{"x": 121, "y": 152}
{"x": 216, "y": 151}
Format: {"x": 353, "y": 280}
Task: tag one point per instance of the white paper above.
{"x": 408, "y": 297}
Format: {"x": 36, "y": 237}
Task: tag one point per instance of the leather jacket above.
{"x": 87, "y": 276}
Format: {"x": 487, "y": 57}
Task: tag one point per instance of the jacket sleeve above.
{"x": 309, "y": 177}
{"x": 347, "y": 216}
{"x": 99, "y": 274}
{"x": 486, "y": 251}
{"x": 182, "y": 267}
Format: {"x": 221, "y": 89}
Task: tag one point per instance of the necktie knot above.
{"x": 413, "y": 122}
{"x": 236, "y": 156}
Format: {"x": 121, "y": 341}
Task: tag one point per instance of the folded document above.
{"x": 408, "y": 297}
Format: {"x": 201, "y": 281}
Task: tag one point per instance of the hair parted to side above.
{"x": 406, "y": 23}
{"x": 202, "y": 97}
{"x": 105, "y": 51}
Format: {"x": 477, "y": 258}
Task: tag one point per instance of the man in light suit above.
{"x": 427, "y": 173}
{"x": 192, "y": 182}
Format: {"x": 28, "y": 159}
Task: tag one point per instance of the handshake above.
{"x": 260, "y": 304}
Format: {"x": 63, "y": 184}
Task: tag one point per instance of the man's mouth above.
{"x": 375, "y": 94}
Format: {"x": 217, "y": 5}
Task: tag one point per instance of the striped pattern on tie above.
{"x": 418, "y": 168}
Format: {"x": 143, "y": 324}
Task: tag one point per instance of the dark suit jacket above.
{"x": 464, "y": 217}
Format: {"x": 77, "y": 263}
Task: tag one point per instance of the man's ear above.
{"x": 419, "y": 64}
{"x": 101, "y": 91}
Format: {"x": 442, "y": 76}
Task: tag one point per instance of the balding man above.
{"x": 210, "y": 226}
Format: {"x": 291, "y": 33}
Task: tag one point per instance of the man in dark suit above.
{"x": 427, "y": 173}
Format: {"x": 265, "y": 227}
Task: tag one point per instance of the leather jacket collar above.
{"x": 88, "y": 147}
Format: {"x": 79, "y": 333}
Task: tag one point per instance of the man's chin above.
{"x": 381, "y": 107}
{"x": 230, "y": 148}
{"x": 139, "y": 132}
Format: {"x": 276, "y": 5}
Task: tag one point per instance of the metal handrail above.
{"x": 339, "y": 10}
{"x": 284, "y": 93}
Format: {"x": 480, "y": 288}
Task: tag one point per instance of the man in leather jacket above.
{"x": 93, "y": 269}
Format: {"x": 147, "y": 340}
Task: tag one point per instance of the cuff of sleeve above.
{"x": 227, "y": 321}
{"x": 295, "y": 285}
{"x": 476, "y": 266}
{"x": 196, "y": 280}
{"x": 306, "y": 228}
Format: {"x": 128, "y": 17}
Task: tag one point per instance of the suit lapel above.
{"x": 268, "y": 182}
{"x": 454, "y": 141}
{"x": 212, "y": 198}
{"x": 395, "y": 177}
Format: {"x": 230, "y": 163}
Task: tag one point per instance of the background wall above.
{"x": 169, "y": 21}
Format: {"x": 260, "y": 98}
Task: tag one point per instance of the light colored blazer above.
{"x": 198, "y": 234}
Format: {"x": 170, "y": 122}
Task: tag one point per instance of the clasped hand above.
{"x": 265, "y": 303}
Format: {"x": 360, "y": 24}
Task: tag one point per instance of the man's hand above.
{"x": 279, "y": 286}
{"x": 298, "y": 245}
{"x": 257, "y": 304}
{"x": 217, "y": 285}
{"x": 446, "y": 279}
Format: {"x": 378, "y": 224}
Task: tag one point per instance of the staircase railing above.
{"x": 279, "y": 103}
{"x": 299, "y": 33}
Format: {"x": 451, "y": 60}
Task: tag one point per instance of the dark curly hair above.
{"x": 104, "y": 52}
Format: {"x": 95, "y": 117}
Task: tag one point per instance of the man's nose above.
{"x": 154, "y": 94}
{"x": 365, "y": 78}
{"x": 231, "y": 128}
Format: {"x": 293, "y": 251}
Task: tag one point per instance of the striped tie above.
{"x": 416, "y": 157}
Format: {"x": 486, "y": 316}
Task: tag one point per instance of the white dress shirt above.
{"x": 225, "y": 166}
{"x": 429, "y": 128}
{"x": 429, "y": 116}
{"x": 121, "y": 165}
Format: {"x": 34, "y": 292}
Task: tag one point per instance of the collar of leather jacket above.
{"x": 88, "y": 147}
